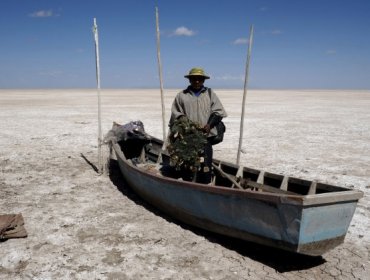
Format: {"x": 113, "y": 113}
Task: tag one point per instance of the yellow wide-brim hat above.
{"x": 197, "y": 72}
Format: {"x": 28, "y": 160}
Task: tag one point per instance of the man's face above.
{"x": 196, "y": 82}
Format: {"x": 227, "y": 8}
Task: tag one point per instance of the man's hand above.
{"x": 207, "y": 128}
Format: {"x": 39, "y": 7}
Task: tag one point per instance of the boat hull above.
{"x": 309, "y": 225}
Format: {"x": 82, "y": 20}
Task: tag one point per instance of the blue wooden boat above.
{"x": 306, "y": 217}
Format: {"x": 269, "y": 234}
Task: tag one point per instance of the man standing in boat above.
{"x": 202, "y": 106}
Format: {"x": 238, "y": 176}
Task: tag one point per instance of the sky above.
{"x": 297, "y": 44}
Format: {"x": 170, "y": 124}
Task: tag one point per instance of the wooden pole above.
{"x": 160, "y": 76}
{"x": 226, "y": 175}
{"x": 244, "y": 94}
{"x": 96, "y": 38}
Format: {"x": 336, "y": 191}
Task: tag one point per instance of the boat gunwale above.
{"x": 312, "y": 200}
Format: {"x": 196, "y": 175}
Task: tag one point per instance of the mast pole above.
{"x": 244, "y": 94}
{"x": 160, "y": 76}
{"x": 96, "y": 38}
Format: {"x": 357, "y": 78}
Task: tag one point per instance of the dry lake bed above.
{"x": 82, "y": 225}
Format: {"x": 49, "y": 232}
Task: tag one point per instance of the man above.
{"x": 202, "y": 106}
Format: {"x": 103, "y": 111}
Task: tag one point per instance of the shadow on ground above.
{"x": 279, "y": 260}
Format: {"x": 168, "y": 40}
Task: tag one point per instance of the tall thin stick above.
{"x": 100, "y": 157}
{"x": 244, "y": 94}
{"x": 160, "y": 76}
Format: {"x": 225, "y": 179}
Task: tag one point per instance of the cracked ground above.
{"x": 82, "y": 225}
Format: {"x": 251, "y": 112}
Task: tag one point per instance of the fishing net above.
{"x": 131, "y": 130}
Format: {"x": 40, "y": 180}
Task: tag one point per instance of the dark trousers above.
{"x": 204, "y": 176}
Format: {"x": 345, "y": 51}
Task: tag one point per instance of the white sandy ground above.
{"x": 85, "y": 226}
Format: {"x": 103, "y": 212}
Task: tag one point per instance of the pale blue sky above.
{"x": 297, "y": 44}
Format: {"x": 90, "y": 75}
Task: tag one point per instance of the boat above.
{"x": 293, "y": 214}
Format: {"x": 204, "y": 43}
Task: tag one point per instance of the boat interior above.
{"x": 148, "y": 154}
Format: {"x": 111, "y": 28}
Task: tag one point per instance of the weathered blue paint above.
{"x": 305, "y": 224}
{"x": 326, "y": 221}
